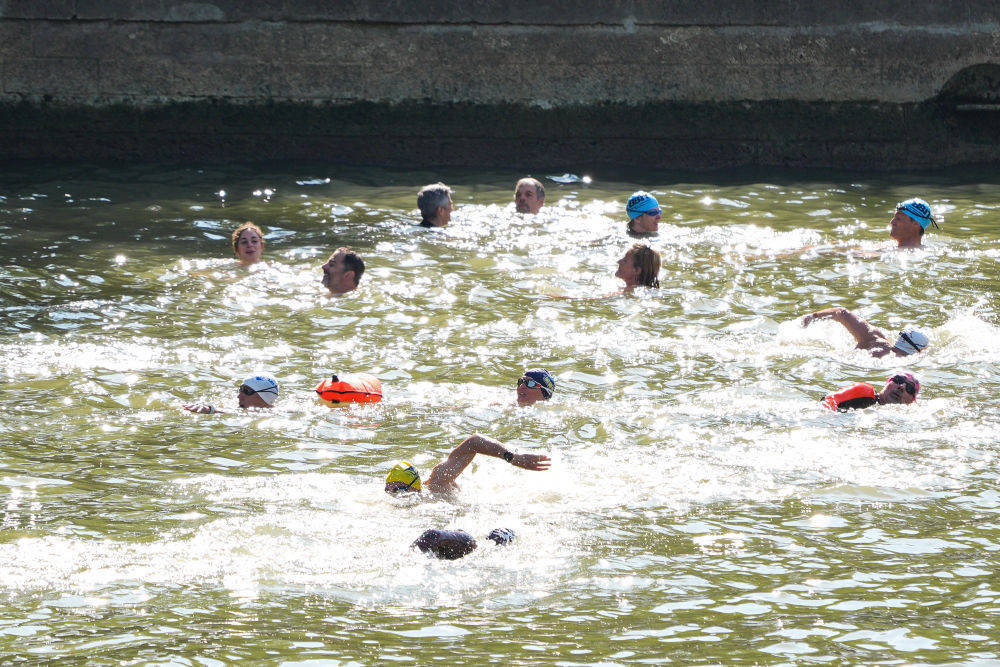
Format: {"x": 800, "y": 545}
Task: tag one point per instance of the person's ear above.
{"x": 351, "y": 274}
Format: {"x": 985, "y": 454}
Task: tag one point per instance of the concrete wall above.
{"x": 735, "y": 82}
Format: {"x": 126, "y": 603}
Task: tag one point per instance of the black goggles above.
{"x": 904, "y": 382}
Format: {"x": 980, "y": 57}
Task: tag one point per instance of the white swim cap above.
{"x": 264, "y": 386}
{"x": 910, "y": 341}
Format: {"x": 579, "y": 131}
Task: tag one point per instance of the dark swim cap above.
{"x": 544, "y": 378}
{"x": 446, "y": 544}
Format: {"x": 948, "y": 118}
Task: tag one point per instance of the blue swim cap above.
{"x": 639, "y": 203}
{"x": 544, "y": 378}
{"x": 918, "y": 210}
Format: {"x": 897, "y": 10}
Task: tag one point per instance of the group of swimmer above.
{"x": 639, "y": 267}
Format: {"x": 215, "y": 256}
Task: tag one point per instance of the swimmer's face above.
{"x": 648, "y": 222}
{"x": 249, "y": 247}
{"x": 627, "y": 270}
{"x": 250, "y": 400}
{"x": 444, "y": 212}
{"x": 897, "y": 392}
{"x": 526, "y": 198}
{"x": 527, "y": 395}
{"x": 336, "y": 277}
{"x": 394, "y": 488}
{"x": 903, "y": 227}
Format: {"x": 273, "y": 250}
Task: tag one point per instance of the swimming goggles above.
{"x": 902, "y": 381}
{"x": 910, "y": 341}
{"x": 531, "y": 383}
{"x": 247, "y": 391}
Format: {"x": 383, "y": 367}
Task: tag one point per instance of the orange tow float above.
{"x": 353, "y": 388}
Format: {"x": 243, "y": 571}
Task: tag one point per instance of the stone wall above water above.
{"x": 701, "y": 84}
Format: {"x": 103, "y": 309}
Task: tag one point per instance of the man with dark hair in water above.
{"x": 342, "y": 272}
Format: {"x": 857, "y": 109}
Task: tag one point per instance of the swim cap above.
{"x": 918, "y": 210}
{"x": 265, "y": 386}
{"x": 910, "y": 341}
{"x": 544, "y": 378}
{"x": 502, "y": 536}
{"x": 447, "y": 544}
{"x": 404, "y": 472}
{"x": 639, "y": 203}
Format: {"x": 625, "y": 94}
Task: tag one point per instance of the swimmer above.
{"x": 909, "y": 223}
{"x": 643, "y": 214}
{"x": 535, "y": 385}
{"x": 529, "y": 195}
{"x": 404, "y": 477}
{"x": 901, "y": 388}
{"x": 640, "y": 267}
{"x": 907, "y": 227}
{"x": 257, "y": 391}
{"x": 453, "y": 544}
{"x": 868, "y": 337}
{"x": 342, "y": 272}
{"x": 248, "y": 244}
{"x": 435, "y": 204}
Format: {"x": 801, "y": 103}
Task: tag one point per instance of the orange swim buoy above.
{"x": 858, "y": 396}
{"x": 353, "y": 388}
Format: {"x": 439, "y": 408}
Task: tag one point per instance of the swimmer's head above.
{"x": 446, "y": 544}
{"x": 543, "y": 378}
{"x": 639, "y": 203}
{"x": 917, "y": 210}
{"x": 536, "y": 384}
{"x": 910, "y": 341}
{"x": 901, "y": 388}
{"x": 403, "y": 477}
{"x": 258, "y": 389}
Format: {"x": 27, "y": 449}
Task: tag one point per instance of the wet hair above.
{"x": 539, "y": 188}
{"x": 352, "y": 262}
{"x": 242, "y": 228}
{"x": 429, "y": 199}
{"x": 647, "y": 261}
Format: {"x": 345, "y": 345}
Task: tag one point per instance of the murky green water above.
{"x": 702, "y": 507}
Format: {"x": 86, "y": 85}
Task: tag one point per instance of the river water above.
{"x": 701, "y": 506}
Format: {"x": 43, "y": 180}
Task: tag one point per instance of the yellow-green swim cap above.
{"x": 404, "y": 472}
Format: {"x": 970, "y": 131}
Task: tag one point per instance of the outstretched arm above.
{"x": 443, "y": 476}
{"x": 864, "y": 333}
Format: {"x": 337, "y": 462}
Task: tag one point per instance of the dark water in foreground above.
{"x": 701, "y": 507}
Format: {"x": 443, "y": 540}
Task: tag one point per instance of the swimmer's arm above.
{"x": 864, "y": 333}
{"x": 443, "y": 476}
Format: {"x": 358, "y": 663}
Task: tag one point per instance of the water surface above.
{"x": 702, "y": 507}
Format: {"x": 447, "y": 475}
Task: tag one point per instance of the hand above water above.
{"x": 200, "y": 408}
{"x": 531, "y": 461}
